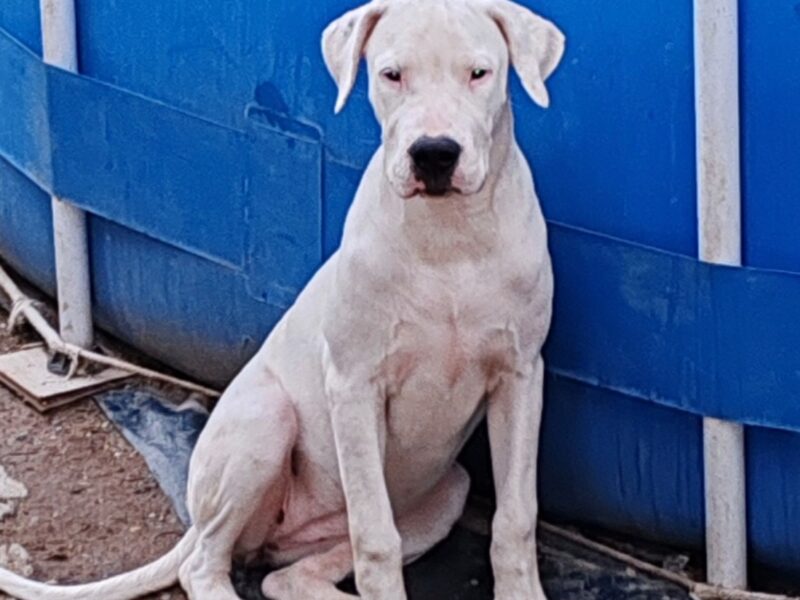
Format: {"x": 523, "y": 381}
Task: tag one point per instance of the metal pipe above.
{"x": 72, "y": 273}
{"x": 716, "y": 48}
{"x": 726, "y": 505}
{"x": 23, "y": 306}
{"x": 73, "y": 277}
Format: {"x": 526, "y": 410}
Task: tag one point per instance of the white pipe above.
{"x": 23, "y": 306}
{"x": 716, "y": 47}
{"x": 73, "y": 275}
{"x": 59, "y": 41}
{"x": 726, "y": 505}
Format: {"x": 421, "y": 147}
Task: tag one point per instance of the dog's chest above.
{"x": 443, "y": 359}
{"x": 453, "y": 338}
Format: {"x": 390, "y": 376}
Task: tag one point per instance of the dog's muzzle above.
{"x": 434, "y": 161}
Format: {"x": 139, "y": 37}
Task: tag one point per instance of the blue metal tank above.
{"x": 200, "y": 138}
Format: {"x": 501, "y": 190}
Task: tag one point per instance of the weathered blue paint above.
{"x": 201, "y": 140}
{"x": 641, "y": 469}
{"x": 713, "y": 340}
{"x": 26, "y": 227}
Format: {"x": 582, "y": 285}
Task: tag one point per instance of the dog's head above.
{"x": 438, "y": 73}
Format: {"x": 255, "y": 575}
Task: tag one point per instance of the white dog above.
{"x": 334, "y": 449}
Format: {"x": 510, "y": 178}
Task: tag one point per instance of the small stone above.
{"x": 7, "y": 509}
{"x": 15, "y": 558}
{"x": 11, "y": 489}
{"x": 676, "y": 563}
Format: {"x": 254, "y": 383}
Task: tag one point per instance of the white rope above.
{"x": 22, "y": 305}
{"x": 15, "y": 316}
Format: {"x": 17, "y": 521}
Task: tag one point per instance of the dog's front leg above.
{"x": 358, "y": 415}
{"x": 514, "y": 416}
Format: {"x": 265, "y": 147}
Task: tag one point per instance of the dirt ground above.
{"x": 92, "y": 508}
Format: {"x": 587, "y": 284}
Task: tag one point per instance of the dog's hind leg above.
{"x": 431, "y": 520}
{"x": 240, "y": 470}
{"x": 421, "y": 528}
{"x": 314, "y": 577}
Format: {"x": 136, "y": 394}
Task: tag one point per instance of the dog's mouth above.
{"x": 438, "y": 192}
{"x": 441, "y": 189}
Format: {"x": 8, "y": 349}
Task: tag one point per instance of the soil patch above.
{"x": 92, "y": 509}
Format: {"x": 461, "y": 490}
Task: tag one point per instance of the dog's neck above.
{"x": 456, "y": 227}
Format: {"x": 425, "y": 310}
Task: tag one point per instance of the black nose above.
{"x": 435, "y": 160}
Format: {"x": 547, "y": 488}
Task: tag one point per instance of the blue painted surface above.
{"x": 202, "y": 142}
{"x": 26, "y": 228}
{"x": 770, "y": 89}
{"x": 712, "y": 340}
{"x": 614, "y": 459}
{"x": 22, "y": 19}
{"x": 615, "y": 152}
{"x": 773, "y": 472}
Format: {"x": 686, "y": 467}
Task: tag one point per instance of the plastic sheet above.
{"x": 163, "y": 434}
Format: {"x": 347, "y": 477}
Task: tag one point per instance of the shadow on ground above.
{"x": 458, "y": 569}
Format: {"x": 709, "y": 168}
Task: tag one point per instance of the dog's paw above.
{"x": 295, "y": 584}
{"x": 519, "y": 588}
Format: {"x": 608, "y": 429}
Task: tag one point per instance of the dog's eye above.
{"x": 478, "y": 74}
{"x": 392, "y": 75}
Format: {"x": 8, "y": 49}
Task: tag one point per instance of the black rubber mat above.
{"x": 458, "y": 569}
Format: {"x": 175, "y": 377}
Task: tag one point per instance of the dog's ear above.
{"x": 343, "y": 44}
{"x": 535, "y": 46}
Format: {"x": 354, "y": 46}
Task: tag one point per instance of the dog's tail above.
{"x": 153, "y": 577}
